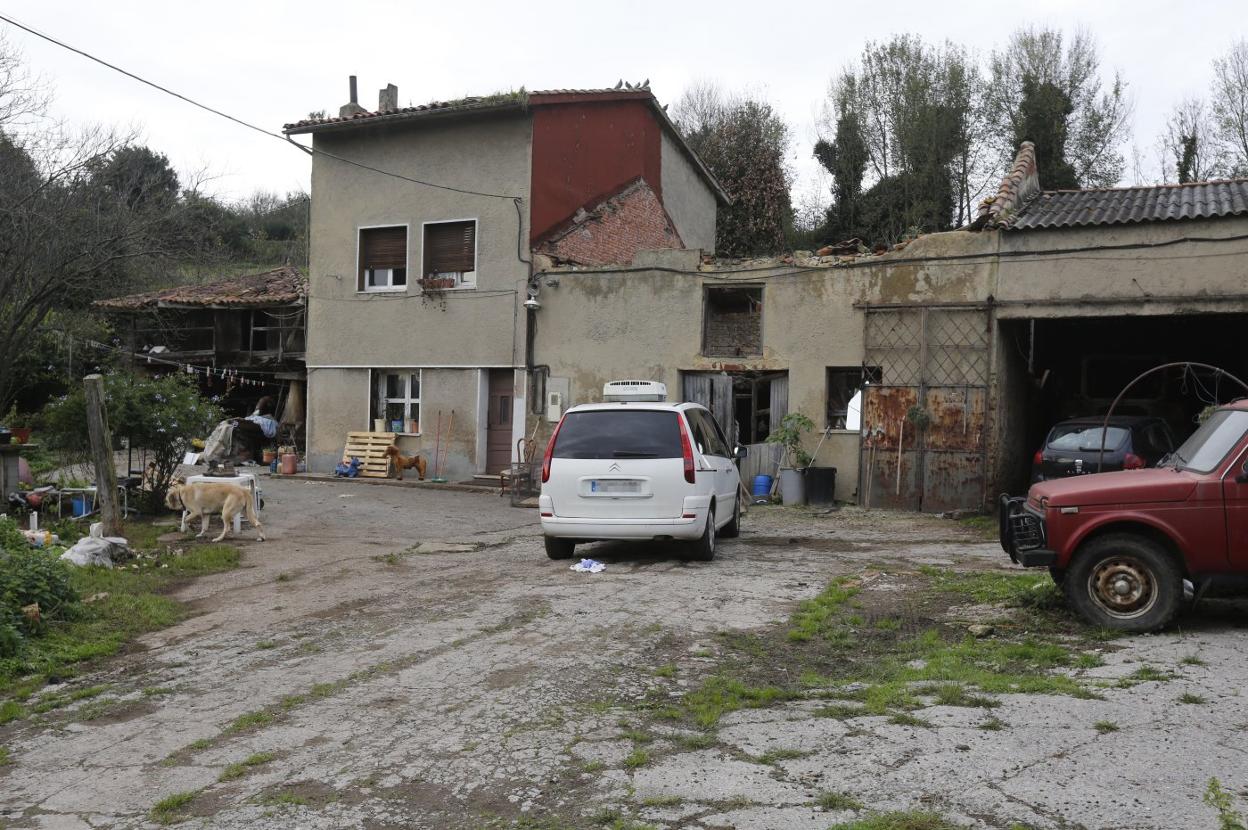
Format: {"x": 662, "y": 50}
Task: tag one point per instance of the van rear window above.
{"x": 615, "y": 433}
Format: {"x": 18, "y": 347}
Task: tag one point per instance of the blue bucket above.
{"x": 81, "y": 504}
{"x": 762, "y": 485}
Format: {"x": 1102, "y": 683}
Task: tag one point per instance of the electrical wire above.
{"x": 283, "y": 138}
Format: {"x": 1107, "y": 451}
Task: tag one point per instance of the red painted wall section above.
{"x": 584, "y": 151}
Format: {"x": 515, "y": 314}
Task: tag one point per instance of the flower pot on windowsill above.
{"x": 437, "y": 283}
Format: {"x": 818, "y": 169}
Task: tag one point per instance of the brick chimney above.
{"x": 352, "y": 107}
{"x": 388, "y": 98}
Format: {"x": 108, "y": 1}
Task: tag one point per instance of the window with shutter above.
{"x": 450, "y": 253}
{"x": 383, "y": 259}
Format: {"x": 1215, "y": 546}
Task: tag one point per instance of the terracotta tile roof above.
{"x": 280, "y": 286}
{"x": 1019, "y": 185}
{"x": 1132, "y": 205}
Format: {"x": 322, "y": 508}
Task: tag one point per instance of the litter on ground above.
{"x": 589, "y": 566}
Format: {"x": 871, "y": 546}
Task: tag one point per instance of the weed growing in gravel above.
{"x": 908, "y": 820}
{"x": 238, "y": 770}
{"x": 157, "y": 691}
{"x": 818, "y": 616}
{"x": 1016, "y": 590}
{"x": 907, "y": 719}
{"x": 6, "y": 757}
{"x": 1145, "y": 674}
{"x": 773, "y": 756}
{"x": 666, "y": 671}
{"x": 1220, "y": 800}
{"x": 265, "y": 645}
{"x": 952, "y": 694}
{"x": 173, "y": 808}
{"x": 1188, "y": 697}
{"x": 284, "y": 798}
{"x": 697, "y": 740}
{"x": 1089, "y": 660}
{"x": 593, "y": 766}
{"x": 840, "y": 711}
{"x": 993, "y": 724}
{"x": 1192, "y": 660}
{"x": 637, "y": 736}
{"x": 636, "y": 758}
{"x": 837, "y": 801}
{"x": 720, "y": 695}
{"x": 249, "y": 720}
{"x": 1105, "y": 726}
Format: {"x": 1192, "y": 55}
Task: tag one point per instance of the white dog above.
{"x": 204, "y": 498}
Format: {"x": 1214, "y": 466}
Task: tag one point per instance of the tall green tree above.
{"x": 1229, "y": 101}
{"x": 1040, "y": 70}
{"x": 743, "y": 141}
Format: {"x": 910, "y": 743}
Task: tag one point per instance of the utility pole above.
{"x": 102, "y": 455}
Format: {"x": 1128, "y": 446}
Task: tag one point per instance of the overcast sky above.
{"x": 273, "y": 62}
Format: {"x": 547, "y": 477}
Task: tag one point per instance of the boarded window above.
{"x": 451, "y": 250}
{"x": 732, "y": 321}
{"x": 383, "y": 258}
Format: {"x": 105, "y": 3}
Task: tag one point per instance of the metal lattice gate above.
{"x": 923, "y": 425}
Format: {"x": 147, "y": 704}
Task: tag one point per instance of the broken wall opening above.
{"x": 732, "y": 321}
{"x": 1074, "y": 367}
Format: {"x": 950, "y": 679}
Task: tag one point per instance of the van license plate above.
{"x": 615, "y": 487}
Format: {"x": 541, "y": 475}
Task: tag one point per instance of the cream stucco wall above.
{"x": 687, "y": 198}
{"x": 350, "y": 331}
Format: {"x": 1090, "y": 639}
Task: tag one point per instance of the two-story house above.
{"x": 425, "y": 222}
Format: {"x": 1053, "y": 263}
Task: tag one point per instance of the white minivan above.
{"x": 637, "y": 467}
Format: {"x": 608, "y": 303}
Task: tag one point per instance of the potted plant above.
{"x": 793, "y": 466}
{"x": 19, "y": 425}
{"x": 437, "y": 283}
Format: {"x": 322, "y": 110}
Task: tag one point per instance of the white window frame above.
{"x": 460, "y": 283}
{"x": 389, "y": 288}
{"x": 407, "y": 400}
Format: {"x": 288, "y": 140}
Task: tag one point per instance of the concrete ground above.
{"x": 409, "y": 658}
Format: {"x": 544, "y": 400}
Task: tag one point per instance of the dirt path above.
{"x": 373, "y": 685}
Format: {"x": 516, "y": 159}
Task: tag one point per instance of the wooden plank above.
{"x": 370, "y": 448}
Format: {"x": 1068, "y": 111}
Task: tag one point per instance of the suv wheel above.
{"x": 1126, "y": 582}
{"x": 559, "y": 548}
{"x": 704, "y": 548}
{"x": 733, "y": 529}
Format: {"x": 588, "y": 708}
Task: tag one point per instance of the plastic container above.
{"x": 81, "y": 505}
{"x": 793, "y": 487}
{"x": 821, "y": 486}
{"x": 761, "y": 486}
{"x": 290, "y": 464}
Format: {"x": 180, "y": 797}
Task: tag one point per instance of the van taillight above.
{"x": 686, "y": 449}
{"x": 1133, "y": 462}
{"x": 1038, "y": 458}
{"x": 550, "y": 450}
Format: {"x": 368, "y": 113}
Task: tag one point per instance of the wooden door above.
{"x": 498, "y": 421}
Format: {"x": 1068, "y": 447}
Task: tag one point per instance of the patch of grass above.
{"x": 997, "y": 588}
{"x": 6, "y": 757}
{"x": 668, "y": 670}
{"x": 96, "y": 709}
{"x": 907, "y": 719}
{"x": 952, "y": 694}
{"x": 993, "y": 724}
{"x": 773, "y": 756}
{"x": 11, "y": 710}
{"x": 840, "y": 711}
{"x": 133, "y": 602}
{"x": 1105, "y": 726}
{"x": 249, "y": 720}
{"x": 837, "y": 801}
{"x": 816, "y": 617}
{"x": 887, "y": 624}
{"x": 1219, "y": 799}
{"x": 1145, "y": 674}
{"x": 720, "y": 695}
{"x": 698, "y": 740}
{"x": 157, "y": 691}
{"x": 593, "y": 766}
{"x": 285, "y": 576}
{"x": 172, "y": 808}
{"x": 284, "y": 798}
{"x": 637, "y": 736}
{"x": 637, "y": 758}
{"x": 1192, "y": 660}
{"x": 239, "y": 769}
{"x": 292, "y": 701}
{"x": 1188, "y": 697}
{"x": 662, "y": 801}
{"x": 200, "y": 745}
{"x": 265, "y": 645}
{"x": 983, "y": 526}
{"x": 908, "y": 820}
{"x": 1089, "y": 660}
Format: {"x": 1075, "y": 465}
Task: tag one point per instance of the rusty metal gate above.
{"x": 923, "y": 425}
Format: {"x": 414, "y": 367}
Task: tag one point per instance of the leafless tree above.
{"x": 1188, "y": 146}
{"x": 1230, "y": 105}
{"x": 23, "y": 96}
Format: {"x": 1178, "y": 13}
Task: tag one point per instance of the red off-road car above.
{"x": 1121, "y": 544}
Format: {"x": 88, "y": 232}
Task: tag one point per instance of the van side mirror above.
{"x": 739, "y": 453}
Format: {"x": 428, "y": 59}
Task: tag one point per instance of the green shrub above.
{"x": 29, "y": 575}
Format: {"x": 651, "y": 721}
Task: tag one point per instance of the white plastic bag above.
{"x": 97, "y": 550}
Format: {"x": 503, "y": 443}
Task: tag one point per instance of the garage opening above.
{"x": 1056, "y": 369}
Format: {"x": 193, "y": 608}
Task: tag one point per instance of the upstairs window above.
{"x": 383, "y": 259}
{"x": 450, "y": 254}
{"x": 732, "y": 322}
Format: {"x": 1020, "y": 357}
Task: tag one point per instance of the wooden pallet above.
{"x": 370, "y": 448}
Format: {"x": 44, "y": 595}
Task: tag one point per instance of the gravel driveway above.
{"x": 400, "y": 657}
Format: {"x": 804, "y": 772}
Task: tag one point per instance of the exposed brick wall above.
{"x": 614, "y": 231}
{"x": 735, "y": 334}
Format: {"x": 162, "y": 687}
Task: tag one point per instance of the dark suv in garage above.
{"x": 1073, "y": 447}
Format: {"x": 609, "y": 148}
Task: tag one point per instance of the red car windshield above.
{"x": 1204, "y": 451}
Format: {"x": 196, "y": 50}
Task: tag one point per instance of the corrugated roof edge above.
{"x": 512, "y": 102}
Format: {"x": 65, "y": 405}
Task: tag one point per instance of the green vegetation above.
{"x": 1192, "y": 660}
{"x": 593, "y": 766}
{"x": 1012, "y": 590}
{"x": 250, "y": 720}
{"x": 720, "y": 695}
{"x": 637, "y": 736}
{"x": 817, "y": 617}
{"x": 1220, "y": 800}
{"x": 637, "y": 758}
{"x": 125, "y": 602}
{"x": 239, "y": 769}
{"x": 1145, "y": 674}
{"x": 668, "y": 670}
{"x": 1105, "y": 726}
{"x": 6, "y": 757}
{"x": 837, "y": 801}
{"x": 172, "y": 808}
{"x": 908, "y": 820}
{"x": 284, "y": 798}
{"x": 993, "y": 724}
{"x": 952, "y": 694}
{"x": 773, "y": 756}
{"x": 1188, "y": 697}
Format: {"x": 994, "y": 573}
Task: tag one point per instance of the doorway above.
{"x": 499, "y": 421}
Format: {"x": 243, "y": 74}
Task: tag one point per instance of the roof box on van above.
{"x": 634, "y": 390}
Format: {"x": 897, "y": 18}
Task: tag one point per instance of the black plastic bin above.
{"x": 820, "y": 485}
